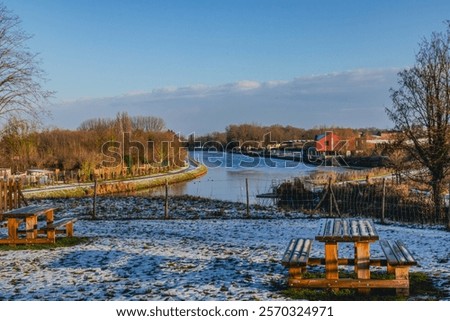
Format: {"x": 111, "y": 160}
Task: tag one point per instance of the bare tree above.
{"x": 96, "y": 124}
{"x": 148, "y": 123}
{"x": 21, "y": 92}
{"x": 421, "y": 113}
{"x": 122, "y": 123}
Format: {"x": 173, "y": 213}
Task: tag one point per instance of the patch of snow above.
{"x": 134, "y": 255}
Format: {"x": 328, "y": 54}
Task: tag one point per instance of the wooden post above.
{"x": 448, "y": 208}
{"x": 330, "y": 196}
{"x": 10, "y": 194}
{"x": 6, "y": 197}
{"x": 383, "y": 201}
{"x": 166, "y": 201}
{"x": 24, "y": 200}
{"x": 248, "y": 200}
{"x": 15, "y": 194}
{"x": 333, "y": 197}
{"x": 4, "y": 191}
{"x": 1, "y": 196}
{"x": 94, "y": 203}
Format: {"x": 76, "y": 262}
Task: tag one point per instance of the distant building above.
{"x": 38, "y": 172}
{"x": 368, "y": 142}
{"x": 39, "y": 176}
{"x": 380, "y": 138}
{"x": 327, "y": 143}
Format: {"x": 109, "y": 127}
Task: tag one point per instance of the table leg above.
{"x": 13, "y": 225}
{"x": 31, "y": 227}
{"x": 362, "y": 261}
{"x": 49, "y": 216}
{"x": 331, "y": 261}
{"x": 50, "y": 233}
{"x": 402, "y": 273}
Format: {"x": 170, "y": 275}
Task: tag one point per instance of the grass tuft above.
{"x": 60, "y": 242}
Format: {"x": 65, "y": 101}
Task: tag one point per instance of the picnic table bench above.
{"x": 360, "y": 232}
{"x": 296, "y": 256}
{"x": 62, "y": 226}
{"x": 399, "y": 260}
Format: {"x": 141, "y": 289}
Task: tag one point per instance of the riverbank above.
{"x": 195, "y": 170}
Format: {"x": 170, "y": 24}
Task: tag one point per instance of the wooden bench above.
{"x": 296, "y": 257}
{"x": 56, "y": 227}
{"x": 399, "y": 260}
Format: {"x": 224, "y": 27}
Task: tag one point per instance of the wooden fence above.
{"x": 382, "y": 199}
{"x": 11, "y": 196}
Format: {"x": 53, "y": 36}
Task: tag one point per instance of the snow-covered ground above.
{"x": 215, "y": 257}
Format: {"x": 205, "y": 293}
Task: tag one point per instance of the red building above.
{"x": 327, "y": 143}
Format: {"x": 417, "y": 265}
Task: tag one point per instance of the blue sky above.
{"x": 226, "y": 61}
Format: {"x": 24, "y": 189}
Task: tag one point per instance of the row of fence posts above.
{"x": 11, "y": 195}
{"x": 332, "y": 199}
{"x": 166, "y": 200}
{"x": 329, "y": 192}
{"x": 8, "y": 201}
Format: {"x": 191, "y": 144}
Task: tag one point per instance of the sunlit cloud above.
{"x": 247, "y": 85}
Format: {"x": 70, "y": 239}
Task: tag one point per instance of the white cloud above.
{"x": 352, "y": 98}
{"x": 247, "y": 85}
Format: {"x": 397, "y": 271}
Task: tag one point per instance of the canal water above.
{"x": 227, "y": 174}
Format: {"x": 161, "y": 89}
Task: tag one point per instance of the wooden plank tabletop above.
{"x": 347, "y": 230}
{"x": 26, "y": 211}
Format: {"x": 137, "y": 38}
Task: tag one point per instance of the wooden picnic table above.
{"x": 361, "y": 232}
{"x": 29, "y": 215}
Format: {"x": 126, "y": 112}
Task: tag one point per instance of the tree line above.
{"x": 24, "y": 146}
{"x": 261, "y": 136}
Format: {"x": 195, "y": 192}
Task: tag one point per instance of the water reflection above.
{"x": 226, "y": 176}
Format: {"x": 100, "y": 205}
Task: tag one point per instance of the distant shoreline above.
{"x": 119, "y": 186}
{"x": 352, "y": 162}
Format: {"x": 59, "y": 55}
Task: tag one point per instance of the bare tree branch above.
{"x": 21, "y": 78}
